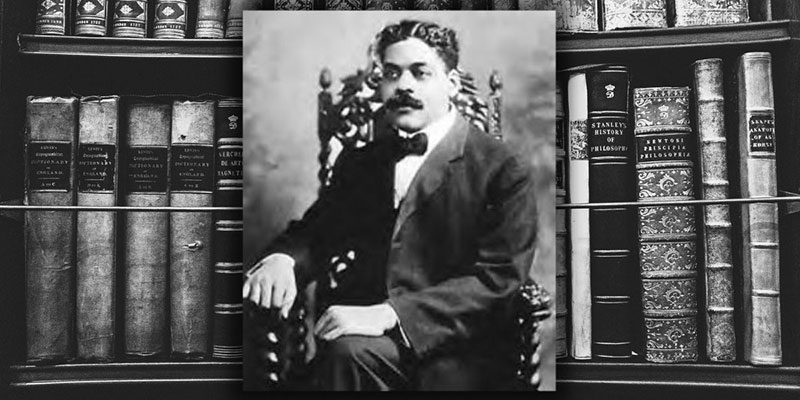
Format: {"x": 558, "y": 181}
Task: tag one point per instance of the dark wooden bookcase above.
{"x": 663, "y": 57}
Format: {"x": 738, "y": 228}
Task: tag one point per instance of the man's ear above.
{"x": 455, "y": 82}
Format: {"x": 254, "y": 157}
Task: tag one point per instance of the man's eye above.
{"x": 421, "y": 73}
{"x": 391, "y": 74}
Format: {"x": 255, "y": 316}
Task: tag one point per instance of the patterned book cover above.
{"x": 169, "y": 20}
{"x": 91, "y": 17}
{"x": 345, "y": 4}
{"x": 710, "y": 12}
{"x": 51, "y": 17}
{"x": 235, "y": 20}
{"x": 571, "y": 15}
{"x": 130, "y": 19}
{"x": 758, "y": 178}
{"x": 434, "y": 4}
{"x": 717, "y": 264}
{"x": 561, "y": 229}
{"x": 624, "y": 14}
{"x": 667, "y": 235}
{"x": 211, "y": 16}
{"x": 389, "y": 4}
{"x": 299, "y": 5}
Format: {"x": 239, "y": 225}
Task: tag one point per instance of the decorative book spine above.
{"x": 169, "y": 21}
{"x": 580, "y": 250}
{"x": 130, "y": 19}
{"x": 620, "y": 14}
{"x": 613, "y": 267}
{"x": 667, "y": 236}
{"x": 389, "y": 5}
{"x": 98, "y": 144}
{"x": 434, "y": 4}
{"x": 344, "y": 4}
{"x": 576, "y": 15}
{"x": 192, "y": 185}
{"x": 710, "y": 12}
{"x": 91, "y": 17}
{"x": 294, "y": 5}
{"x": 716, "y": 227}
{"x": 561, "y": 230}
{"x": 51, "y": 130}
{"x": 228, "y": 262}
{"x": 51, "y": 17}
{"x": 146, "y": 252}
{"x": 234, "y": 27}
{"x": 762, "y": 334}
{"x": 211, "y": 19}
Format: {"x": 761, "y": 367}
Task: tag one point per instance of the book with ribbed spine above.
{"x": 710, "y": 12}
{"x": 169, "y": 20}
{"x": 627, "y": 14}
{"x": 234, "y": 25}
{"x": 51, "y": 17}
{"x": 130, "y": 19}
{"x": 561, "y": 229}
{"x": 211, "y": 17}
{"x": 91, "y": 17}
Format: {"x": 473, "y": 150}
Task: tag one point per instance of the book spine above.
{"x": 130, "y": 19}
{"x": 344, "y": 4}
{"x": 389, "y": 5}
{"x": 561, "y": 229}
{"x": 760, "y": 258}
{"x": 97, "y": 160}
{"x": 620, "y": 14}
{"x": 91, "y": 17}
{"x": 50, "y": 139}
{"x": 51, "y": 17}
{"x": 761, "y": 10}
{"x": 146, "y": 252}
{"x": 298, "y": 5}
{"x": 707, "y": 12}
{"x": 434, "y": 4}
{"x": 211, "y": 19}
{"x": 169, "y": 21}
{"x": 234, "y": 26}
{"x": 580, "y": 249}
{"x": 667, "y": 234}
{"x": 472, "y": 5}
{"x": 576, "y": 15}
{"x": 716, "y": 227}
{"x": 192, "y": 185}
{"x": 613, "y": 269}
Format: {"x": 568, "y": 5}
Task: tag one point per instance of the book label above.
{"x": 663, "y": 147}
{"x": 96, "y": 167}
{"x": 49, "y": 166}
{"x": 192, "y": 168}
{"x": 761, "y": 133}
{"x": 577, "y": 140}
{"x": 229, "y": 163}
{"x": 147, "y": 170}
{"x": 608, "y": 137}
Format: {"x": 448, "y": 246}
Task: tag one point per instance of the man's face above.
{"x": 416, "y": 86}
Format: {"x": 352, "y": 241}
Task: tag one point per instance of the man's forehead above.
{"x": 411, "y": 51}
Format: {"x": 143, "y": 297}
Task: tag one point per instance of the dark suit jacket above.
{"x": 462, "y": 244}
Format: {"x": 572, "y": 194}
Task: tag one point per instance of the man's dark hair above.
{"x": 441, "y": 39}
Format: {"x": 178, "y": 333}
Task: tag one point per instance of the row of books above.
{"x": 168, "y": 283}
{"x": 672, "y": 147}
{"x": 170, "y": 19}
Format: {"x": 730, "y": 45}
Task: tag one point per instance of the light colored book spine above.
{"x": 623, "y": 14}
{"x": 710, "y": 12}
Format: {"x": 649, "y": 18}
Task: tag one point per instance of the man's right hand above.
{"x": 271, "y": 284}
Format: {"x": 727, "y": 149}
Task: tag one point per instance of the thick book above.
{"x": 169, "y": 20}
{"x": 758, "y": 178}
{"x": 234, "y": 25}
{"x": 51, "y": 17}
{"x": 710, "y": 12}
{"x": 145, "y": 244}
{"x": 130, "y": 19}
{"x": 50, "y": 148}
{"x": 97, "y": 162}
{"x": 580, "y": 249}
{"x": 667, "y": 234}
{"x": 211, "y": 17}
{"x": 228, "y": 230}
{"x": 190, "y": 233}
{"x": 715, "y": 240}
{"x": 614, "y": 277}
{"x": 561, "y": 229}
{"x": 389, "y": 5}
{"x": 628, "y": 14}
{"x": 91, "y": 17}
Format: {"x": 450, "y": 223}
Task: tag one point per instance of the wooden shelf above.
{"x": 78, "y": 46}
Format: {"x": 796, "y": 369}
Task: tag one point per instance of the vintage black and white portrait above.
{"x": 399, "y": 199}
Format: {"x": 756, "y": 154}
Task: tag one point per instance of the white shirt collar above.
{"x": 436, "y": 130}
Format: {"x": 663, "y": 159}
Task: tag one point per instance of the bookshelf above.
{"x": 111, "y": 47}
{"x": 663, "y": 57}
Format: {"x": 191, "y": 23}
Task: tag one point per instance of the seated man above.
{"x": 438, "y": 220}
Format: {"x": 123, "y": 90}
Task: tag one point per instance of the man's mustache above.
{"x": 403, "y": 100}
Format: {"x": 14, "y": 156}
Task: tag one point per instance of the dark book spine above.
{"x": 146, "y": 251}
{"x": 624, "y": 14}
{"x": 51, "y": 17}
{"x": 667, "y": 234}
{"x": 344, "y": 4}
{"x": 561, "y": 230}
{"x": 710, "y": 12}
{"x": 389, "y": 5}
{"x": 98, "y": 155}
{"x": 50, "y": 140}
{"x": 169, "y": 21}
{"x": 211, "y": 16}
{"x": 130, "y": 19}
{"x": 91, "y": 17}
{"x": 613, "y": 265}
{"x": 297, "y": 5}
{"x": 234, "y": 26}
{"x": 190, "y": 233}
{"x": 228, "y": 229}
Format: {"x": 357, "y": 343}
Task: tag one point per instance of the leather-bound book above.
{"x": 169, "y": 21}
{"x": 626, "y": 14}
{"x": 130, "y": 19}
{"x": 716, "y": 264}
{"x": 51, "y": 17}
{"x": 434, "y": 4}
{"x": 344, "y": 4}
{"x": 390, "y": 4}
{"x": 758, "y": 178}
{"x": 146, "y": 248}
{"x": 211, "y": 17}
{"x": 97, "y": 162}
{"x": 234, "y": 26}
{"x": 228, "y": 230}
{"x": 50, "y": 140}
{"x": 92, "y": 17}
{"x": 710, "y": 12}
{"x": 561, "y": 229}
{"x": 667, "y": 234}
{"x": 192, "y": 185}
{"x": 578, "y": 187}
{"x": 614, "y": 274}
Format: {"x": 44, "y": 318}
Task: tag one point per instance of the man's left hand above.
{"x": 355, "y": 320}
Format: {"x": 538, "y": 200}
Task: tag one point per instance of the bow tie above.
{"x": 416, "y": 144}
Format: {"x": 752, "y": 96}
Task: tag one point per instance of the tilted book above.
{"x": 561, "y": 229}
{"x": 211, "y": 17}
{"x": 97, "y": 161}
{"x": 192, "y": 185}
{"x": 234, "y": 26}
{"x": 169, "y": 21}
{"x": 130, "y": 19}
{"x": 91, "y": 17}
{"x": 50, "y": 140}
{"x": 625, "y": 14}
{"x": 580, "y": 249}
{"x": 51, "y": 17}
{"x": 710, "y": 12}
{"x": 758, "y": 178}
{"x": 716, "y": 264}
{"x": 611, "y": 179}
{"x": 667, "y": 234}
{"x": 146, "y": 244}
